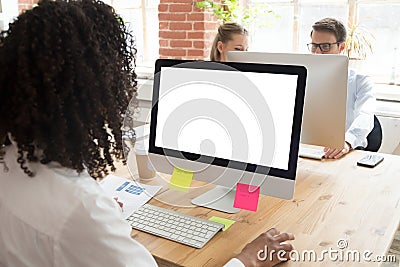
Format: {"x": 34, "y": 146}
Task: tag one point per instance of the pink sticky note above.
{"x": 246, "y": 197}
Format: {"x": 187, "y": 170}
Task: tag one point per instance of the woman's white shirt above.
{"x": 61, "y": 218}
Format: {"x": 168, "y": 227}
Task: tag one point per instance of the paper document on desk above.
{"x": 132, "y": 194}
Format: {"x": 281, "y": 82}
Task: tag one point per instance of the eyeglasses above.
{"x": 324, "y": 47}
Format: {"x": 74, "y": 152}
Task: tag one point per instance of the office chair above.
{"x": 374, "y": 138}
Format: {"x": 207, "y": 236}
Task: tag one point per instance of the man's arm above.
{"x": 361, "y": 88}
{"x": 364, "y": 107}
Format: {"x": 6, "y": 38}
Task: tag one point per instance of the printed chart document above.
{"x": 132, "y": 194}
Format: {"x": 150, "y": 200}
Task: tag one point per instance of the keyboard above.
{"x": 313, "y": 153}
{"x": 175, "y": 226}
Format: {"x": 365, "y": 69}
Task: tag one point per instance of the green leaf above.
{"x": 256, "y": 14}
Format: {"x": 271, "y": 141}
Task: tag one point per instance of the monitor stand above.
{"x": 219, "y": 198}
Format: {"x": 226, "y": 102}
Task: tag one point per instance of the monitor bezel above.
{"x": 301, "y": 73}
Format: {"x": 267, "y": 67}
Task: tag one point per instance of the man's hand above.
{"x": 274, "y": 241}
{"x": 335, "y": 153}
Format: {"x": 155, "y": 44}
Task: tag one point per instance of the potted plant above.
{"x": 255, "y": 15}
{"x": 359, "y": 44}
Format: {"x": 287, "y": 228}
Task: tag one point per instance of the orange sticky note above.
{"x": 246, "y": 197}
{"x": 181, "y": 180}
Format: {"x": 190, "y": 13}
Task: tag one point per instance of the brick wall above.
{"x": 185, "y": 32}
{"x": 25, "y": 4}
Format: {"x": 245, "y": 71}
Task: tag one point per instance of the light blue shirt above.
{"x": 360, "y": 109}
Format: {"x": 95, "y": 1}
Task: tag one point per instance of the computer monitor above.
{"x": 324, "y": 119}
{"x": 228, "y": 123}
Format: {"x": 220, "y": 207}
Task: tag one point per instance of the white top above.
{"x": 360, "y": 109}
{"x": 60, "y": 218}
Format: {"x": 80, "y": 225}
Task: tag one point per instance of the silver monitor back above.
{"x": 324, "y": 116}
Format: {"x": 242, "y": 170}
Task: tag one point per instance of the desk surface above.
{"x": 334, "y": 200}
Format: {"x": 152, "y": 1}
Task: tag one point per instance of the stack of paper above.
{"x": 132, "y": 194}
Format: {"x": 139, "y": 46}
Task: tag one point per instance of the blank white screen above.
{"x": 206, "y": 135}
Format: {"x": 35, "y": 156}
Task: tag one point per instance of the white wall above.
{"x": 9, "y": 10}
{"x": 391, "y": 134}
{"x": 145, "y": 95}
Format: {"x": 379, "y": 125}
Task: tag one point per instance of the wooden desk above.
{"x": 334, "y": 200}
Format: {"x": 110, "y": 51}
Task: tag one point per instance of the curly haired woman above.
{"x": 66, "y": 79}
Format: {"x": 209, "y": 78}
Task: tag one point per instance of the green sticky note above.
{"x": 181, "y": 180}
{"x": 224, "y": 221}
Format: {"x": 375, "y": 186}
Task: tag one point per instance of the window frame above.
{"x": 144, "y": 59}
{"x": 352, "y": 11}
{"x": 8, "y": 11}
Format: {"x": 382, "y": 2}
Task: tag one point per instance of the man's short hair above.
{"x": 331, "y": 25}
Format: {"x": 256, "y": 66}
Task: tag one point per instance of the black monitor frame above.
{"x": 301, "y": 73}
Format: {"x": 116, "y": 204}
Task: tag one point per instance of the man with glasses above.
{"x": 328, "y": 36}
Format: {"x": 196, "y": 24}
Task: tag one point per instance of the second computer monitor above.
{"x": 324, "y": 117}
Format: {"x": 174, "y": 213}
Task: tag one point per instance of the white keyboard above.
{"x": 313, "y": 153}
{"x": 175, "y": 226}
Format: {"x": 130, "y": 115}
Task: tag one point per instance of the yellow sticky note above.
{"x": 181, "y": 180}
{"x": 224, "y": 221}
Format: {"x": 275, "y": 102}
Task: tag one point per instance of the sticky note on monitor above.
{"x": 224, "y": 221}
{"x": 246, "y": 197}
{"x": 181, "y": 180}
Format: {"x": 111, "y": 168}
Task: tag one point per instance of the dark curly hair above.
{"x": 67, "y": 75}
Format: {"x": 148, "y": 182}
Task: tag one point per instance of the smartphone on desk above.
{"x": 370, "y": 161}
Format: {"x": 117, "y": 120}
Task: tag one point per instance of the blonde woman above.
{"x": 230, "y": 37}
